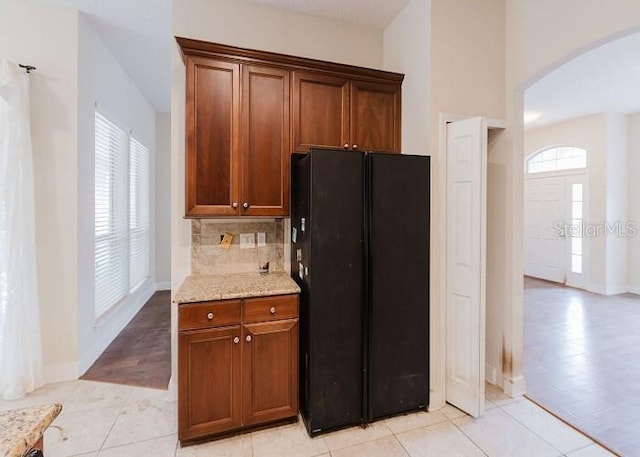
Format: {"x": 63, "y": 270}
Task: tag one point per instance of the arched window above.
{"x": 557, "y": 158}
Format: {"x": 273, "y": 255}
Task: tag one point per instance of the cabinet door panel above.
{"x": 265, "y": 149}
{"x": 320, "y": 111}
{"x": 213, "y": 102}
{"x": 270, "y": 364}
{"x": 209, "y": 397}
{"x": 375, "y": 116}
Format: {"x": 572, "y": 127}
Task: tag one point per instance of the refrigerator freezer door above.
{"x": 332, "y": 246}
{"x": 398, "y": 277}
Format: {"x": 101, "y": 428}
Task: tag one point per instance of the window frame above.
{"x": 555, "y": 148}
{"x": 120, "y": 216}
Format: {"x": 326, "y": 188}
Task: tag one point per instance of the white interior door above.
{"x": 465, "y": 264}
{"x": 545, "y": 247}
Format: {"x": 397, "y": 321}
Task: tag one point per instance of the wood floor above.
{"x": 141, "y": 354}
{"x": 582, "y": 360}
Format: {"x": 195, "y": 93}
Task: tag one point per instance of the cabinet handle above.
{"x": 355, "y": 146}
{"x": 234, "y": 205}
{"x": 272, "y": 310}
{"x": 236, "y": 340}
{"x": 210, "y": 316}
{"x": 245, "y": 205}
{"x": 346, "y": 145}
{"x": 248, "y": 338}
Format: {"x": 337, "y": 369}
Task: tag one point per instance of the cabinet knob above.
{"x": 248, "y": 338}
{"x": 245, "y": 205}
{"x": 272, "y": 310}
{"x": 210, "y": 316}
{"x": 236, "y": 340}
{"x": 355, "y": 146}
{"x": 346, "y": 145}
{"x": 234, "y": 204}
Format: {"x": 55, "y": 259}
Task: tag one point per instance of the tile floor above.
{"x": 581, "y": 360}
{"x": 111, "y": 420}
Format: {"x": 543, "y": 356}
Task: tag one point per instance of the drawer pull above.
{"x": 272, "y": 310}
{"x": 236, "y": 340}
{"x": 248, "y": 338}
{"x": 210, "y": 316}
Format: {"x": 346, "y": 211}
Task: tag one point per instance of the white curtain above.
{"x": 20, "y": 343}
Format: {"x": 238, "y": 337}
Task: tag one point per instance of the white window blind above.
{"x": 121, "y": 214}
{"x": 138, "y": 212}
{"x": 111, "y": 214}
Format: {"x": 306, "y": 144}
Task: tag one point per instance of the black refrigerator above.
{"x": 360, "y": 254}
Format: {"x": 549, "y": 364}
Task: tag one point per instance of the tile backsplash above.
{"x": 209, "y": 257}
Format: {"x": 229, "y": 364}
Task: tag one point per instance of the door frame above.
{"x": 438, "y": 313}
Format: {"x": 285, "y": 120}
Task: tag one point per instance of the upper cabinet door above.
{"x": 266, "y": 143}
{"x": 212, "y": 110}
{"x": 375, "y": 116}
{"x": 320, "y": 111}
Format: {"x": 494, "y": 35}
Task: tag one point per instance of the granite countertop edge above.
{"x": 199, "y": 288}
{"x": 22, "y": 428}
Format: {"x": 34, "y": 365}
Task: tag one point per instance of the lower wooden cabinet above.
{"x": 233, "y": 375}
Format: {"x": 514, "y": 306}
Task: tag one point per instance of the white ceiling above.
{"x": 138, "y": 34}
{"x": 370, "y": 13}
{"x": 605, "y": 79}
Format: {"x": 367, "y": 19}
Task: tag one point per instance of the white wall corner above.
{"x": 514, "y": 386}
{"x": 634, "y": 290}
{"x": 164, "y": 285}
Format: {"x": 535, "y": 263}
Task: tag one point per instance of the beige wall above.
{"x": 163, "y": 199}
{"x": 406, "y": 50}
{"x": 47, "y": 37}
{"x": 466, "y": 77}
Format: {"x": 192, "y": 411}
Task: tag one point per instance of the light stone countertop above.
{"x": 20, "y": 429}
{"x": 196, "y": 288}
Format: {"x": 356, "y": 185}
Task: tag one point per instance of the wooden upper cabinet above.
{"x": 336, "y": 112}
{"x": 320, "y": 111}
{"x": 375, "y": 116}
{"x": 247, "y": 111}
{"x": 265, "y": 146}
{"x": 212, "y": 154}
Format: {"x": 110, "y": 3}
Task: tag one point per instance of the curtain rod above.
{"x": 28, "y": 68}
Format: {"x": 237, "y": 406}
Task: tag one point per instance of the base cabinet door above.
{"x": 270, "y": 364}
{"x": 209, "y": 398}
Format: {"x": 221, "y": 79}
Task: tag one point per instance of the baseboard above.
{"x": 514, "y": 386}
{"x": 59, "y": 372}
{"x": 108, "y": 328}
{"x": 634, "y": 290}
{"x": 165, "y": 285}
{"x": 492, "y": 375}
{"x": 611, "y": 290}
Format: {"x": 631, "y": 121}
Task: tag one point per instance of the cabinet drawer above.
{"x": 208, "y": 314}
{"x": 270, "y": 308}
